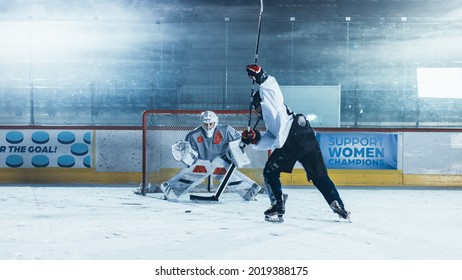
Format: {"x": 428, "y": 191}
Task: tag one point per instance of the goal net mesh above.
{"x": 161, "y": 129}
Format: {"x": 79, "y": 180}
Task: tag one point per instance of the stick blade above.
{"x": 198, "y": 197}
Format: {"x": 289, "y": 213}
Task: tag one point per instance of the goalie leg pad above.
{"x": 186, "y": 180}
{"x": 169, "y": 194}
{"x": 252, "y": 192}
{"x": 243, "y": 185}
{"x": 219, "y": 168}
{"x": 239, "y": 183}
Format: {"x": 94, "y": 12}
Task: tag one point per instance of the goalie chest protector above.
{"x": 217, "y": 145}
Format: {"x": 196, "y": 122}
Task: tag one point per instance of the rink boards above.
{"x": 424, "y": 158}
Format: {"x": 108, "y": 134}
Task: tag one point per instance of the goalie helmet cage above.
{"x": 162, "y": 128}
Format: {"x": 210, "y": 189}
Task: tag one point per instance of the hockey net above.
{"x": 162, "y": 128}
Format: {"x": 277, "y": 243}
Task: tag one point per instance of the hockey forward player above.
{"x": 204, "y": 152}
{"x": 292, "y": 139}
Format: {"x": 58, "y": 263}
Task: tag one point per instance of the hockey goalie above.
{"x": 210, "y": 150}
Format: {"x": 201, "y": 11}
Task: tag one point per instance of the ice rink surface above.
{"x": 94, "y": 222}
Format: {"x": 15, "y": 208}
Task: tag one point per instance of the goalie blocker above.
{"x": 198, "y": 170}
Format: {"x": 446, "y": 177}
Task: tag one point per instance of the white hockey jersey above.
{"x": 275, "y": 116}
{"x": 217, "y": 145}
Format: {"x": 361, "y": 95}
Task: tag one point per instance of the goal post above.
{"x": 162, "y": 128}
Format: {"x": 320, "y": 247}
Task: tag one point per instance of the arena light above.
{"x": 15, "y": 39}
{"x": 439, "y": 82}
{"x": 311, "y": 117}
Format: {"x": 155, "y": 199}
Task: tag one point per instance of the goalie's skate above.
{"x": 276, "y": 212}
{"x": 340, "y": 210}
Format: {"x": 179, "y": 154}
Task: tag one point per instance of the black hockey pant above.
{"x": 301, "y": 146}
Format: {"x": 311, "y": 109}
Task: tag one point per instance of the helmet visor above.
{"x": 208, "y": 125}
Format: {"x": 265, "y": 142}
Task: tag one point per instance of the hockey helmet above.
{"x": 209, "y": 120}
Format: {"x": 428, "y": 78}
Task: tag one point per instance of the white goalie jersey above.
{"x": 210, "y": 147}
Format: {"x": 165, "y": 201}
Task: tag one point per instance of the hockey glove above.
{"x": 256, "y": 72}
{"x": 250, "y": 137}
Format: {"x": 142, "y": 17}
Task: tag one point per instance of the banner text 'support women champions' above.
{"x": 359, "y": 150}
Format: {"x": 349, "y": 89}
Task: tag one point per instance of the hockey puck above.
{"x": 187, "y": 211}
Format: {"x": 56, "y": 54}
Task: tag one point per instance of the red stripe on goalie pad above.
{"x": 219, "y": 171}
{"x": 200, "y": 169}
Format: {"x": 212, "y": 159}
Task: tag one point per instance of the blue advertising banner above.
{"x": 45, "y": 148}
{"x": 359, "y": 150}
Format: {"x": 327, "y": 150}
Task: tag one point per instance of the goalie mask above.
{"x": 209, "y": 121}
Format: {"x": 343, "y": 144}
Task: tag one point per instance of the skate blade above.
{"x": 348, "y": 219}
{"x": 274, "y": 219}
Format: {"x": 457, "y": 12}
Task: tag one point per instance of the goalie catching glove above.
{"x": 250, "y": 136}
{"x": 183, "y": 152}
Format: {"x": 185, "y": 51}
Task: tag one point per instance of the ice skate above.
{"x": 340, "y": 210}
{"x": 276, "y": 212}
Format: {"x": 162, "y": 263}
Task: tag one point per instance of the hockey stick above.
{"x": 257, "y": 46}
{"x": 209, "y": 183}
